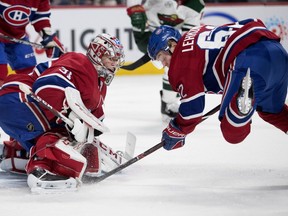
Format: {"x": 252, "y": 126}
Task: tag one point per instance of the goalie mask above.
{"x": 106, "y": 53}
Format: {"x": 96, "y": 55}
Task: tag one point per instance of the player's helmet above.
{"x": 159, "y": 40}
{"x": 105, "y": 44}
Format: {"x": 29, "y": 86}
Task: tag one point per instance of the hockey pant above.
{"x": 270, "y": 89}
{"x": 20, "y": 57}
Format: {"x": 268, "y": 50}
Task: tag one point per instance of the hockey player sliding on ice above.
{"x": 180, "y": 14}
{"x": 243, "y": 61}
{"x": 54, "y": 161}
{"x": 15, "y": 16}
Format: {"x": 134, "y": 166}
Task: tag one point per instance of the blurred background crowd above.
{"x": 123, "y": 2}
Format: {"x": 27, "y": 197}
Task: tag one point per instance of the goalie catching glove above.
{"x": 53, "y": 47}
{"x": 81, "y": 131}
{"x": 172, "y": 136}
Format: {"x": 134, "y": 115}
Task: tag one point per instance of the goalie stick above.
{"x": 143, "y": 60}
{"x": 95, "y": 123}
{"x": 119, "y": 157}
{"x": 16, "y": 40}
{"x": 26, "y": 89}
{"x": 89, "y": 179}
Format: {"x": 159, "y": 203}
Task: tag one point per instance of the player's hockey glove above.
{"x": 172, "y": 136}
{"x": 81, "y": 131}
{"x": 53, "y": 47}
{"x": 138, "y": 17}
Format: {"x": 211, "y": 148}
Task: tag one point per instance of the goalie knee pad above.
{"x": 14, "y": 157}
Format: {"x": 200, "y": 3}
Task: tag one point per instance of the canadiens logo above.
{"x": 17, "y": 15}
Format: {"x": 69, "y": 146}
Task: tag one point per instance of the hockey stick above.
{"x": 89, "y": 179}
{"x": 95, "y": 123}
{"x": 26, "y": 89}
{"x": 143, "y": 60}
{"x": 16, "y": 40}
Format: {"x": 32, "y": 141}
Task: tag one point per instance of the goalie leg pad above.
{"x": 57, "y": 158}
{"x": 14, "y": 157}
{"x": 56, "y": 155}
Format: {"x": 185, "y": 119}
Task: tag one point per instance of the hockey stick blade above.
{"x": 16, "y": 40}
{"x": 89, "y": 179}
{"x": 143, "y": 60}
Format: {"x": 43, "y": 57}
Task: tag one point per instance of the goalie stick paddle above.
{"x": 90, "y": 179}
{"x": 16, "y": 40}
{"x": 143, "y": 60}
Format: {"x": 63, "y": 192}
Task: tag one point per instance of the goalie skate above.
{"x": 245, "y": 96}
{"x": 42, "y": 181}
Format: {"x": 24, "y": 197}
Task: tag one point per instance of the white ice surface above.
{"x": 207, "y": 177}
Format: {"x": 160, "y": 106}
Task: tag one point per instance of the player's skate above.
{"x": 245, "y": 96}
{"x": 169, "y": 110}
{"x": 43, "y": 181}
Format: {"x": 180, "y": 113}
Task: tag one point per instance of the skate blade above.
{"x": 40, "y": 190}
